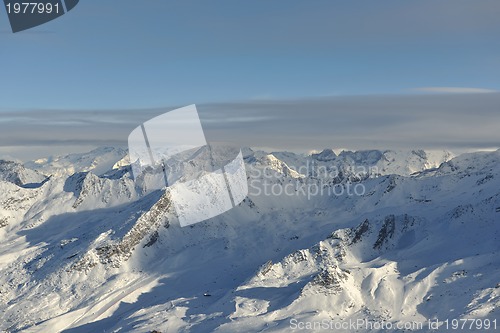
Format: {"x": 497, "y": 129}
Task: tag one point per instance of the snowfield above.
{"x": 84, "y": 248}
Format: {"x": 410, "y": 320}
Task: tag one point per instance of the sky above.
{"x": 110, "y": 60}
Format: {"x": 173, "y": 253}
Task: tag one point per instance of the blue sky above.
{"x": 89, "y": 77}
{"x": 141, "y": 54}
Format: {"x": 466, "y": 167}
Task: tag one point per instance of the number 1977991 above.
{"x": 32, "y": 8}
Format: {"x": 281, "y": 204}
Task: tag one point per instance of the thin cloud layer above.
{"x": 447, "y": 121}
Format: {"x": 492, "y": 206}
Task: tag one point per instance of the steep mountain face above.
{"x": 316, "y": 239}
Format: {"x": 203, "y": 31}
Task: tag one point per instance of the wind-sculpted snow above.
{"x": 90, "y": 250}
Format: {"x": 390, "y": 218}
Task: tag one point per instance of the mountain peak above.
{"x": 325, "y": 156}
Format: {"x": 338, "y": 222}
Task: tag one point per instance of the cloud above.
{"x": 428, "y": 121}
{"x": 455, "y": 90}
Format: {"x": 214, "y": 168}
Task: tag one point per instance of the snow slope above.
{"x": 93, "y": 252}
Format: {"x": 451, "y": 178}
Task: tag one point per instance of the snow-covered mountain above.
{"x": 384, "y": 162}
{"x": 17, "y": 174}
{"x": 388, "y": 236}
{"x": 97, "y": 161}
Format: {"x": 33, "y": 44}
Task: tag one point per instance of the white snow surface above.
{"x": 83, "y": 248}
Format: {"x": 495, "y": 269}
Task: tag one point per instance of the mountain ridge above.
{"x": 72, "y": 260}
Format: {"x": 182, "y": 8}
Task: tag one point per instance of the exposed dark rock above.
{"x": 360, "y": 231}
{"x": 4, "y": 222}
{"x": 152, "y": 240}
{"x": 266, "y": 267}
{"x": 386, "y": 232}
